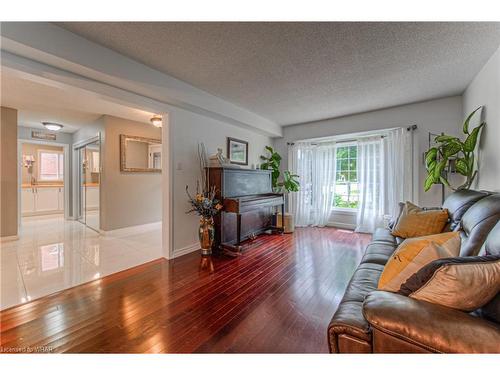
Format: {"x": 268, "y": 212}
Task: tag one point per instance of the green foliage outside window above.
{"x": 346, "y": 187}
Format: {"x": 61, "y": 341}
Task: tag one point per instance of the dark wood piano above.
{"x": 249, "y": 206}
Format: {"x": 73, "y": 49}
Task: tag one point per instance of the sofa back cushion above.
{"x": 461, "y": 283}
{"x": 477, "y": 223}
{"x": 492, "y": 243}
{"x": 416, "y": 222}
{"x": 415, "y": 253}
{"x": 459, "y": 202}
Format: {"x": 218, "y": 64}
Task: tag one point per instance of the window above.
{"x": 51, "y": 166}
{"x": 346, "y": 180}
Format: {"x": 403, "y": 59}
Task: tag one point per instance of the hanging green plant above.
{"x": 451, "y": 149}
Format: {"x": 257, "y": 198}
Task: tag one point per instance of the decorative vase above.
{"x": 206, "y": 235}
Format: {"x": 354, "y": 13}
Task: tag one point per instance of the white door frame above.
{"x": 76, "y": 173}
{"x": 66, "y": 176}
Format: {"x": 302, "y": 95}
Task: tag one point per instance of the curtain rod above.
{"x": 409, "y": 128}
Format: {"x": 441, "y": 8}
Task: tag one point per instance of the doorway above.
{"x": 89, "y": 181}
{"x": 42, "y": 178}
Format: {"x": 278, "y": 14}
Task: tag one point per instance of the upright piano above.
{"x": 249, "y": 206}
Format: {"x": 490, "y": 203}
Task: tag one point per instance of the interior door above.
{"x": 89, "y": 178}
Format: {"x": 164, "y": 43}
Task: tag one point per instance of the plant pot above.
{"x": 206, "y": 235}
{"x": 289, "y": 222}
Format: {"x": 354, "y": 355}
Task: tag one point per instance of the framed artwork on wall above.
{"x": 237, "y": 151}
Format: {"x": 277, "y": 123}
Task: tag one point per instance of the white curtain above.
{"x": 399, "y": 171}
{"x": 300, "y": 163}
{"x": 315, "y": 165}
{"x": 371, "y": 184}
{"x": 385, "y": 176}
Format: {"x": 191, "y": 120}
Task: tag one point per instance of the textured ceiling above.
{"x": 73, "y": 108}
{"x": 298, "y": 72}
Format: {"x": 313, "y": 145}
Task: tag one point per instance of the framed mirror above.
{"x": 140, "y": 154}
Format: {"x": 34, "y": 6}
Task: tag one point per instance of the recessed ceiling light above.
{"x": 52, "y": 126}
{"x": 157, "y": 121}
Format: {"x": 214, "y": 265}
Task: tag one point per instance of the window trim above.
{"x": 39, "y": 152}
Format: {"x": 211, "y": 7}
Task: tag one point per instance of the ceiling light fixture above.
{"x": 157, "y": 121}
{"x": 52, "y": 126}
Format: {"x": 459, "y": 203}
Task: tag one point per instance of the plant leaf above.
{"x": 430, "y": 155}
{"x": 452, "y": 148}
{"x": 444, "y": 138}
{"x": 429, "y": 181}
{"x": 470, "y": 162}
{"x": 270, "y": 149}
{"x": 466, "y": 122}
{"x": 444, "y": 181}
{"x": 431, "y": 166}
{"x": 439, "y": 169}
{"x": 462, "y": 167}
{"x": 470, "y": 142}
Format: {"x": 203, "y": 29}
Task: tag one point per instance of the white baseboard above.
{"x": 341, "y": 225}
{"x": 8, "y": 238}
{"x": 186, "y": 250}
{"x": 135, "y": 229}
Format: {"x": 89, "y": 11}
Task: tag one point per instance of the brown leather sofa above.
{"x": 371, "y": 321}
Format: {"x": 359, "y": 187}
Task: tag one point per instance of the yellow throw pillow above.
{"x": 416, "y": 222}
{"x": 415, "y": 253}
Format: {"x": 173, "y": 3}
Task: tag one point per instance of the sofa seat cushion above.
{"x": 364, "y": 280}
{"x": 378, "y": 253}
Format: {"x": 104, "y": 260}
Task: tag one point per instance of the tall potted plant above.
{"x": 452, "y": 150}
{"x": 289, "y": 181}
{"x": 286, "y": 184}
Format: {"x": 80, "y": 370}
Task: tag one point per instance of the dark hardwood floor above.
{"x": 278, "y": 297}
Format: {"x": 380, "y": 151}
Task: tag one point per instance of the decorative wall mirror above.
{"x": 140, "y": 154}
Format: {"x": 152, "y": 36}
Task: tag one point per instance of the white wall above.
{"x": 485, "y": 90}
{"x": 127, "y": 198}
{"x": 187, "y": 130}
{"x": 436, "y": 116}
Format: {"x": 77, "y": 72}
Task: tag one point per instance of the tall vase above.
{"x": 206, "y": 235}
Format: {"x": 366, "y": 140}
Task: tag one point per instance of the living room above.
{"x": 326, "y": 187}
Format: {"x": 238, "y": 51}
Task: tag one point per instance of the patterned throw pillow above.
{"x": 415, "y": 222}
{"x": 413, "y": 254}
{"x": 462, "y": 283}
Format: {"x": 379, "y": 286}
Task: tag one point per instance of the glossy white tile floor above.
{"x": 53, "y": 254}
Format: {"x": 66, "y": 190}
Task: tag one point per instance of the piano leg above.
{"x": 238, "y": 229}
{"x": 236, "y": 249}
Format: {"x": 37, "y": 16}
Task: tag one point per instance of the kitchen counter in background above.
{"x": 29, "y": 186}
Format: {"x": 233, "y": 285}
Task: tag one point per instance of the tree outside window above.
{"x": 346, "y": 179}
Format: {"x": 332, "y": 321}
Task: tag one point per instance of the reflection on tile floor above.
{"x": 53, "y": 254}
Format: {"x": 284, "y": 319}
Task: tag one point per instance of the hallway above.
{"x": 53, "y": 254}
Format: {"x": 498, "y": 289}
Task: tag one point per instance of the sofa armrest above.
{"x": 408, "y": 322}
